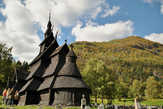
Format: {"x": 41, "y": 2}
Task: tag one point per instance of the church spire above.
{"x": 49, "y": 27}
{"x": 49, "y": 16}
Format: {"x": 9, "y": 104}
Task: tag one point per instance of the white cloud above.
{"x": 65, "y": 12}
{"x": 18, "y": 31}
{"x": 105, "y": 32}
{"x": 110, "y": 12}
{"x": 162, "y": 8}
{"x": 95, "y": 13}
{"x": 153, "y": 1}
{"x": 148, "y": 1}
{"x": 155, "y": 37}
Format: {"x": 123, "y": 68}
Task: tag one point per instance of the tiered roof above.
{"x": 54, "y": 67}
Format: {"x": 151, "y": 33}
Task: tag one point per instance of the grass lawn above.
{"x": 0, "y": 100}
{"x": 154, "y": 102}
{"x": 157, "y": 102}
{"x": 150, "y": 102}
{"x": 36, "y": 107}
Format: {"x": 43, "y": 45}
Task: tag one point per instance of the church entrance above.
{"x": 32, "y": 97}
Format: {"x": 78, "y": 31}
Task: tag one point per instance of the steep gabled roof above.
{"x": 69, "y": 82}
{"x": 51, "y": 48}
{"x": 60, "y": 50}
{"x": 36, "y": 70}
{"x": 36, "y": 84}
{"x": 54, "y": 61}
{"x": 52, "y": 67}
{"x": 46, "y": 84}
{"x": 71, "y": 54}
{"x": 69, "y": 75}
{"x": 48, "y": 38}
{"x": 33, "y": 84}
{"x": 25, "y": 86}
{"x": 70, "y": 68}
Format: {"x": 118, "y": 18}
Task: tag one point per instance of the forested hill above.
{"x": 133, "y": 56}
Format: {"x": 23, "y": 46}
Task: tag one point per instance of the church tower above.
{"x": 54, "y": 76}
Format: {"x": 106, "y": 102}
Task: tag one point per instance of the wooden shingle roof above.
{"x": 71, "y": 54}
{"x": 69, "y": 82}
{"x": 69, "y": 69}
{"x": 33, "y": 69}
{"x": 46, "y": 84}
{"x": 25, "y": 86}
{"x": 51, "y": 48}
{"x": 52, "y": 67}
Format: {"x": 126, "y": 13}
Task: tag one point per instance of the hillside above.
{"x": 131, "y": 55}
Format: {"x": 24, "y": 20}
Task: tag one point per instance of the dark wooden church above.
{"x": 54, "y": 76}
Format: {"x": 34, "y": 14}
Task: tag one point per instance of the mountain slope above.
{"x": 130, "y": 55}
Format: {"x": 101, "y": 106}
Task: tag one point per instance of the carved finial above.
{"x": 66, "y": 41}
{"x": 71, "y": 46}
{"x": 56, "y": 34}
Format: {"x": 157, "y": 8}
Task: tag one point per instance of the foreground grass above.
{"x": 154, "y": 102}
{"x": 36, "y": 107}
{"x": 20, "y": 107}
{"x": 150, "y": 102}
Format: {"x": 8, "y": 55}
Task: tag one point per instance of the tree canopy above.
{"x": 8, "y": 66}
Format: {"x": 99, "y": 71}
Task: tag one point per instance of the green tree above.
{"x": 6, "y": 64}
{"x": 121, "y": 90}
{"x": 91, "y": 75}
{"x": 98, "y": 78}
{"x": 153, "y": 88}
{"x": 137, "y": 89}
{"x": 110, "y": 91}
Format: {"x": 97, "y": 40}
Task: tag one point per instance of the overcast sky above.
{"x": 23, "y": 22}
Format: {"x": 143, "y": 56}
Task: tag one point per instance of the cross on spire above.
{"x": 49, "y": 16}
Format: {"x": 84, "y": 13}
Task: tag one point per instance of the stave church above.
{"x": 54, "y": 77}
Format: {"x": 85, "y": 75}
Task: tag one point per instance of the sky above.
{"x": 23, "y": 22}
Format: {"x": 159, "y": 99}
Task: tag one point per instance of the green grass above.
{"x": 23, "y": 107}
{"x": 123, "y": 102}
{"x": 157, "y": 102}
{"x": 154, "y": 102}
{"x": 37, "y": 107}
{"x": 0, "y": 100}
